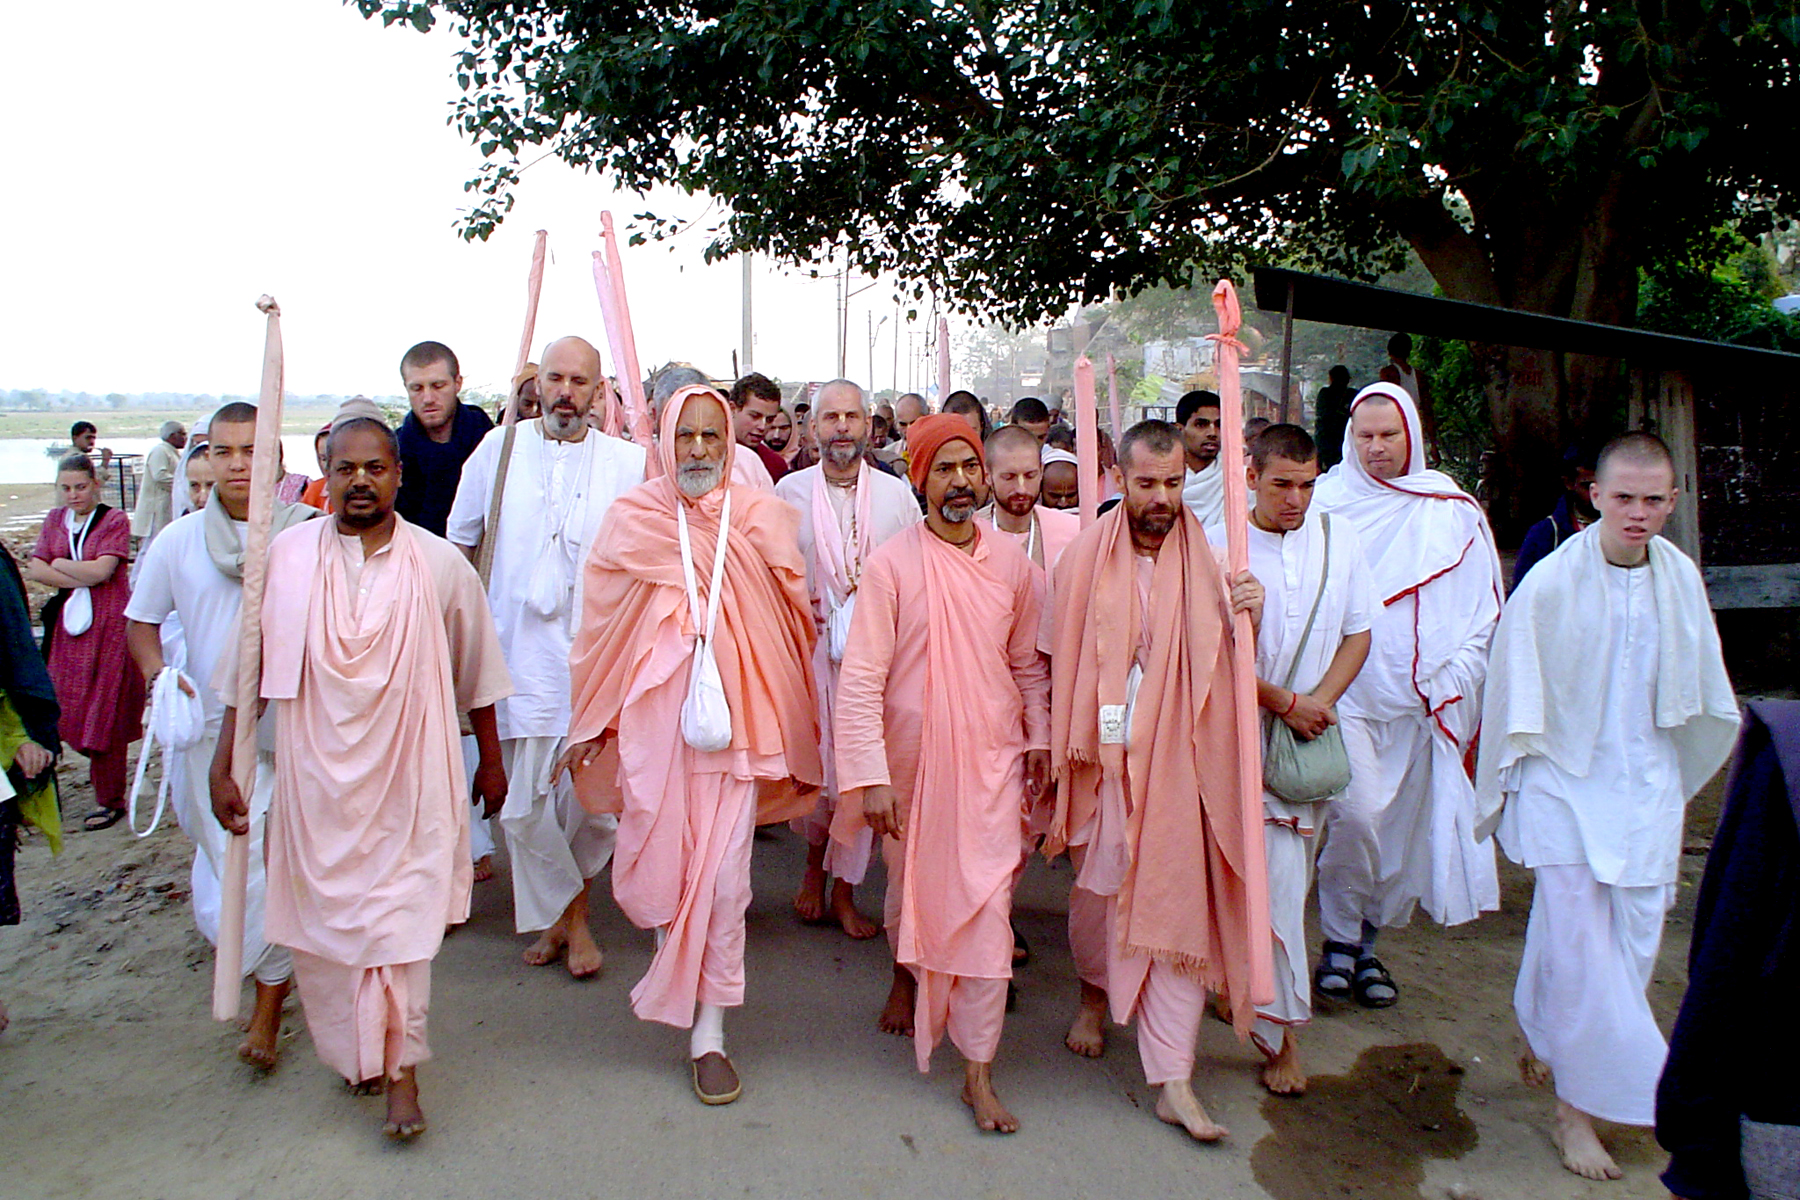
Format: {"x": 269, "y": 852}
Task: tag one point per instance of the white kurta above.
{"x": 556, "y": 495}
{"x": 892, "y": 510}
{"x": 155, "y": 492}
{"x": 177, "y": 582}
{"x": 1608, "y": 704}
{"x": 1290, "y": 567}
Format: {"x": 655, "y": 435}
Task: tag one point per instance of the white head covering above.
{"x": 1056, "y": 454}
{"x": 169, "y": 428}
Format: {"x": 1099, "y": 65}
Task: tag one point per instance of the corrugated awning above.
{"x": 1329, "y": 301}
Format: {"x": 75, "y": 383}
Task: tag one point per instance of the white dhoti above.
{"x": 481, "y": 830}
{"x": 1590, "y": 952}
{"x": 193, "y": 811}
{"x": 555, "y": 845}
{"x": 1287, "y": 847}
{"x": 1404, "y": 833}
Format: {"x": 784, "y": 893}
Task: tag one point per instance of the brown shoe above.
{"x": 715, "y": 1080}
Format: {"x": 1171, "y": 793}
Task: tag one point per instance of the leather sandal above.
{"x": 715, "y": 1080}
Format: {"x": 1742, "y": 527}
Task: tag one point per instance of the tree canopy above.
{"x": 1016, "y": 157}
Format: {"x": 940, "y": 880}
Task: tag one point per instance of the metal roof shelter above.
{"x": 1737, "y": 452}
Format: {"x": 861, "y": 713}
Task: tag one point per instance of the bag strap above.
{"x": 1324, "y": 575}
{"x": 718, "y": 571}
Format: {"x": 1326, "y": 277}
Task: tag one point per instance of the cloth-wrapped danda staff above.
{"x": 609, "y": 282}
{"x": 228, "y": 965}
{"x": 1237, "y": 550}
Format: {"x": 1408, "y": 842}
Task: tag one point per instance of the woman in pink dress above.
{"x": 82, "y": 552}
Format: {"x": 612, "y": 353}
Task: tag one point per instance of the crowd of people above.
{"x": 888, "y": 627}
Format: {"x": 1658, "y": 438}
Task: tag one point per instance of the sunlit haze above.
{"x": 174, "y": 161}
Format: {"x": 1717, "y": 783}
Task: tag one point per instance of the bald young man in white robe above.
{"x": 561, "y": 479}
{"x": 1404, "y": 833}
{"x": 1607, "y": 708}
{"x": 846, "y": 512}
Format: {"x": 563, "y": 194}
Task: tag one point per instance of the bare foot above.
{"x": 978, "y": 1094}
{"x": 261, "y": 1047}
{"x": 368, "y": 1087}
{"x": 809, "y": 901}
{"x": 1533, "y": 1070}
{"x": 549, "y": 947}
{"x": 1087, "y": 1035}
{"x": 1283, "y": 1074}
{"x": 843, "y": 909}
{"x": 1179, "y": 1106}
{"x": 1574, "y": 1136}
{"x": 484, "y": 868}
{"x": 404, "y": 1121}
{"x": 897, "y": 1016}
{"x": 585, "y": 959}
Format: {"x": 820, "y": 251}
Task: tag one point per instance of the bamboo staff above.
{"x": 1087, "y": 443}
{"x": 228, "y": 964}
{"x": 490, "y": 535}
{"x": 1243, "y": 642}
{"x": 615, "y": 310}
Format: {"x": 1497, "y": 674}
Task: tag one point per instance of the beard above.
{"x": 842, "y": 454}
{"x": 958, "y": 505}
{"x": 1156, "y": 521}
{"x": 697, "y": 479}
{"x": 561, "y": 424}
{"x": 1019, "y": 504}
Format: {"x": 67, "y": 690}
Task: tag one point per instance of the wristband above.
{"x": 1291, "y": 703}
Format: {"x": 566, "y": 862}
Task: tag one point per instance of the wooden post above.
{"x": 490, "y": 533}
{"x": 1287, "y": 354}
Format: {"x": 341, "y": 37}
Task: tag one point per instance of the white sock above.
{"x": 662, "y": 935}
{"x": 708, "y": 1035}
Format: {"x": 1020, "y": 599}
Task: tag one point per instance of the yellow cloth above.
{"x": 38, "y": 808}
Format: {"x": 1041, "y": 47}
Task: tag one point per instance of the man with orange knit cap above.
{"x": 942, "y": 722}
{"x": 693, "y": 646}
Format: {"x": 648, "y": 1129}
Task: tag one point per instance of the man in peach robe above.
{"x": 682, "y": 863}
{"x": 376, "y": 635}
{"x": 847, "y": 511}
{"x": 1142, "y": 725}
{"x": 942, "y": 724}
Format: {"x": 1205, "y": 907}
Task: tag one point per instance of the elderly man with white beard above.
{"x": 846, "y": 512}
{"x": 561, "y": 479}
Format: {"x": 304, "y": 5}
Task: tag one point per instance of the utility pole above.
{"x": 896, "y": 351}
{"x": 843, "y": 316}
{"x": 746, "y": 357}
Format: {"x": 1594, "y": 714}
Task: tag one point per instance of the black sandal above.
{"x": 102, "y": 818}
{"x": 1021, "y": 950}
{"x": 1332, "y": 981}
{"x": 1370, "y": 974}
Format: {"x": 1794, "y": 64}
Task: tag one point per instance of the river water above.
{"x": 33, "y": 460}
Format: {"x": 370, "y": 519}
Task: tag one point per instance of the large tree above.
{"x": 1016, "y": 157}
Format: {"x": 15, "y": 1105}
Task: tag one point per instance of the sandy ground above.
{"x": 115, "y": 1083}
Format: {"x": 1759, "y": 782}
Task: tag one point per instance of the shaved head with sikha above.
{"x": 568, "y": 380}
{"x": 1015, "y": 472}
{"x": 1634, "y": 491}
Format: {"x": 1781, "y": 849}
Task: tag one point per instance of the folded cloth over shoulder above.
{"x": 1544, "y": 676}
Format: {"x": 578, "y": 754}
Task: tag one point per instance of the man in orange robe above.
{"x": 942, "y": 723}
{"x": 375, "y": 635}
{"x": 1142, "y": 725}
{"x": 682, "y": 864}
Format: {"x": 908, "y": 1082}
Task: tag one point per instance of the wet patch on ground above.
{"x": 1367, "y": 1133}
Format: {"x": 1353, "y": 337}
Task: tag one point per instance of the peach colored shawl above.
{"x": 1195, "y": 891}
{"x": 633, "y": 586}
{"x": 368, "y": 842}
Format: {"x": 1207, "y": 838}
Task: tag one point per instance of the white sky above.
{"x": 173, "y": 161}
